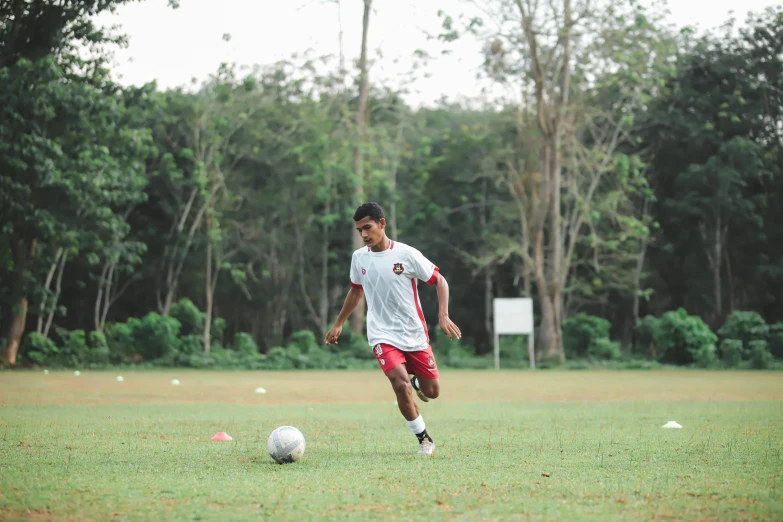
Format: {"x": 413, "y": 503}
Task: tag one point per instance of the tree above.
{"x": 56, "y": 180}
{"x": 67, "y": 165}
{"x": 716, "y": 189}
{"x": 559, "y": 173}
{"x": 357, "y": 318}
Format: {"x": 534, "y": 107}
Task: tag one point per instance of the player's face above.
{"x": 371, "y": 231}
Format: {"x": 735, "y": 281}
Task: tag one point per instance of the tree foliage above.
{"x": 633, "y": 172}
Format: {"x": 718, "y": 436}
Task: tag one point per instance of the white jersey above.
{"x": 389, "y": 280}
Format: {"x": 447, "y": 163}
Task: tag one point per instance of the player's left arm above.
{"x": 426, "y": 270}
{"x": 446, "y": 324}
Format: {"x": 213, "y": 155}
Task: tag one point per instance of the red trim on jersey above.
{"x": 418, "y": 308}
{"x": 434, "y": 279}
{"x": 354, "y": 285}
{"x": 391, "y": 245}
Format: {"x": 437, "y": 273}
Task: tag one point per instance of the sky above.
{"x": 173, "y": 46}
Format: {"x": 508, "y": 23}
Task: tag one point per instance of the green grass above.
{"x": 145, "y": 454}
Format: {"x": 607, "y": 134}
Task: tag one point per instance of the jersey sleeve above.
{"x": 356, "y": 281}
{"x": 423, "y": 268}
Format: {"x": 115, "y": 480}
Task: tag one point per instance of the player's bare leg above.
{"x": 398, "y": 377}
{"x": 426, "y": 388}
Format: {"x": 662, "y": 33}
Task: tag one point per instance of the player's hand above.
{"x": 449, "y": 328}
{"x": 333, "y": 334}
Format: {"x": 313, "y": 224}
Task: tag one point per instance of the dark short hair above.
{"x": 373, "y": 210}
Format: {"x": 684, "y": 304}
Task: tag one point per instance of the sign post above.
{"x": 513, "y": 316}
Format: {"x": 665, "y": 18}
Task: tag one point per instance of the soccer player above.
{"x": 386, "y": 273}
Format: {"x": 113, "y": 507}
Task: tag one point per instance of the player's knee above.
{"x": 432, "y": 391}
{"x": 401, "y": 385}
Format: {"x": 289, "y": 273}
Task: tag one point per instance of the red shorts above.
{"x": 420, "y": 363}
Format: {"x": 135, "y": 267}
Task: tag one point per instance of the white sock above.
{"x": 416, "y": 425}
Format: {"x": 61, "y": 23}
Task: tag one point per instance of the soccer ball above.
{"x": 286, "y": 444}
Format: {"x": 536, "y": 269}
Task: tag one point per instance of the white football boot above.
{"x": 426, "y": 447}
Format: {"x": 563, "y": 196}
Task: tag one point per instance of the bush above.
{"x": 278, "y": 359}
{"x": 119, "y": 337}
{"x": 222, "y": 358}
{"x": 460, "y": 353}
{"x": 352, "y": 345}
{"x": 41, "y": 350}
{"x": 200, "y": 360}
{"x": 775, "y": 340}
{"x": 190, "y": 318}
{"x": 746, "y": 327}
{"x": 99, "y": 354}
{"x": 216, "y": 330}
{"x": 155, "y": 336}
{"x": 317, "y": 358}
{"x": 304, "y": 341}
{"x": 645, "y": 332}
{"x": 75, "y": 342}
{"x": 513, "y": 349}
{"x": 580, "y": 331}
{"x": 628, "y": 364}
{"x": 245, "y": 343}
{"x": 190, "y": 344}
{"x": 760, "y": 358}
{"x": 731, "y": 350}
{"x": 680, "y": 337}
{"x": 605, "y": 349}
{"x": 706, "y": 357}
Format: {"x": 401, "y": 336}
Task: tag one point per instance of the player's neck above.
{"x": 383, "y": 245}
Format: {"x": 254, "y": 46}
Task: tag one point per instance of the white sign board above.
{"x": 513, "y": 316}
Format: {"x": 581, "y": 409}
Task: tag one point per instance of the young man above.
{"x": 386, "y": 273}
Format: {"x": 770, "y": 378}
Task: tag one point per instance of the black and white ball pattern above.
{"x": 286, "y": 444}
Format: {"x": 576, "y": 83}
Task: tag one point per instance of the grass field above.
{"x": 569, "y": 446}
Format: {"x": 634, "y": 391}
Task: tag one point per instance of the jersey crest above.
{"x": 398, "y": 268}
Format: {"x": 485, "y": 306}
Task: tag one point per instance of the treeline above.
{"x": 637, "y": 175}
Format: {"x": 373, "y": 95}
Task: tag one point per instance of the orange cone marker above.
{"x": 222, "y": 435}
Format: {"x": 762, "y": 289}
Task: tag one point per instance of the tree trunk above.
{"x": 549, "y": 338}
{"x": 323, "y": 304}
{"x": 319, "y": 320}
{"x": 546, "y": 333}
{"x": 730, "y": 279}
{"x": 637, "y": 276}
{"x": 112, "y": 296}
{"x": 488, "y": 299}
{"x": 16, "y": 332}
{"x": 488, "y": 294}
{"x": 57, "y": 289}
{"x": 713, "y": 251}
{"x": 21, "y": 253}
{"x": 102, "y": 287}
{"x": 357, "y": 318}
{"x": 392, "y": 221}
{"x": 209, "y": 295}
{"x": 716, "y": 270}
{"x": 172, "y": 265}
{"x": 557, "y": 268}
{"x": 215, "y": 256}
{"x": 49, "y": 277}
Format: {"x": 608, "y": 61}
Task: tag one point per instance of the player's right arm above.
{"x": 352, "y": 300}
